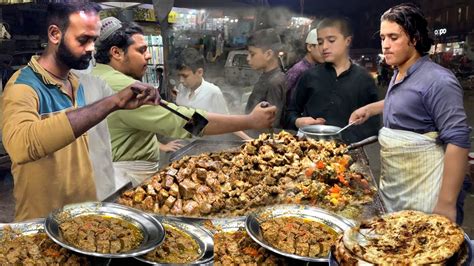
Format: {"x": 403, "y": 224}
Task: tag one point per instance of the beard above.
{"x": 66, "y": 57}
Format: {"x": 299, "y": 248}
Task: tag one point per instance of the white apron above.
{"x": 412, "y": 170}
{"x": 134, "y": 171}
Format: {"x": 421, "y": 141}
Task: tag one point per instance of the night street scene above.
{"x": 237, "y": 132}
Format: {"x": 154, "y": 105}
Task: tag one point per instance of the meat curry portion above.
{"x": 178, "y": 247}
{"x": 35, "y": 249}
{"x": 102, "y": 234}
{"x": 262, "y": 172}
{"x": 299, "y": 236}
{"x": 237, "y": 248}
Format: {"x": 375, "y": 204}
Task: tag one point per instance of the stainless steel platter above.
{"x": 253, "y": 222}
{"x": 227, "y": 225}
{"x": 25, "y": 228}
{"x": 464, "y": 252}
{"x": 202, "y": 237}
{"x": 151, "y": 229}
{"x": 36, "y": 226}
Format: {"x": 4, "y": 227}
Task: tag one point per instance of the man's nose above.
{"x": 90, "y": 47}
{"x": 147, "y": 56}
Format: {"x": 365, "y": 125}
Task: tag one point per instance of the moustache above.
{"x": 86, "y": 57}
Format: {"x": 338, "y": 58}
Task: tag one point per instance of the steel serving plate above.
{"x": 151, "y": 229}
{"x": 252, "y": 224}
{"x": 464, "y": 252}
{"x": 36, "y": 226}
{"x": 29, "y": 227}
{"x": 201, "y": 236}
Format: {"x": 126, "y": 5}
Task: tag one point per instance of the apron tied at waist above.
{"x": 134, "y": 171}
{"x": 412, "y": 170}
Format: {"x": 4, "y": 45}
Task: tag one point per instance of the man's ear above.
{"x": 54, "y": 34}
{"x": 349, "y": 41}
{"x": 200, "y": 71}
{"x": 116, "y": 53}
{"x": 269, "y": 54}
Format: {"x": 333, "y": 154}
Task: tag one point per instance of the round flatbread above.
{"x": 405, "y": 238}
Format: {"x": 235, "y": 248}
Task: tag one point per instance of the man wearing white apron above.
{"x": 425, "y": 138}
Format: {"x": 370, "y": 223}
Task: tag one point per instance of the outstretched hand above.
{"x": 307, "y": 121}
{"x": 136, "y": 95}
{"x": 263, "y": 115}
{"x": 171, "y": 146}
{"x": 360, "y": 115}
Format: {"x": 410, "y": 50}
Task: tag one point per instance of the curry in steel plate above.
{"x": 178, "y": 247}
{"x": 233, "y": 246}
{"x": 34, "y": 248}
{"x": 260, "y": 173}
{"x": 300, "y": 236}
{"x": 100, "y": 233}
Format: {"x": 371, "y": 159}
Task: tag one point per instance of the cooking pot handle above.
{"x": 363, "y": 142}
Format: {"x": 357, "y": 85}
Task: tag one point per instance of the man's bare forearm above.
{"x": 84, "y": 118}
{"x": 220, "y": 124}
{"x": 376, "y": 108}
{"x": 455, "y": 162}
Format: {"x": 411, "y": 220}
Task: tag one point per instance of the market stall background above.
{"x": 452, "y": 22}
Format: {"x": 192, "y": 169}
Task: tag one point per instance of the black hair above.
{"x": 266, "y": 39}
{"x": 121, "y": 38}
{"x": 58, "y": 13}
{"x": 190, "y": 58}
{"x": 411, "y": 19}
{"x": 341, "y": 22}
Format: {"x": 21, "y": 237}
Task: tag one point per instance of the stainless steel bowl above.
{"x": 151, "y": 229}
{"x": 323, "y": 132}
{"x": 253, "y": 222}
{"x": 202, "y": 237}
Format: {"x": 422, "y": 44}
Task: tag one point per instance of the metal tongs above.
{"x": 271, "y": 130}
{"x": 194, "y": 124}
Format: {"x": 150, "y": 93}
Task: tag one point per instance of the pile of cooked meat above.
{"x": 34, "y": 249}
{"x": 101, "y": 234}
{"x": 299, "y": 236}
{"x": 237, "y": 248}
{"x": 262, "y": 172}
{"x": 178, "y": 247}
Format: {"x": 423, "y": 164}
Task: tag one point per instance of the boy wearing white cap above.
{"x": 312, "y": 57}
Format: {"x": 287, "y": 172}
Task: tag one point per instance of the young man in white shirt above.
{"x": 196, "y": 92}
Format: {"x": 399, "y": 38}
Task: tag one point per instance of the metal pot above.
{"x": 326, "y": 132}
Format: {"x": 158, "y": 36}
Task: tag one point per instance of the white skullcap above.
{"x": 312, "y": 37}
{"x": 109, "y": 26}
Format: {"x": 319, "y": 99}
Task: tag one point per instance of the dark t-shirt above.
{"x": 321, "y": 93}
{"x": 270, "y": 87}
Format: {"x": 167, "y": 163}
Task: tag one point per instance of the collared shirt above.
{"x": 133, "y": 132}
{"x": 429, "y": 98}
{"x": 321, "y": 93}
{"x": 293, "y": 76}
{"x": 50, "y": 166}
{"x": 270, "y": 87}
{"x": 207, "y": 97}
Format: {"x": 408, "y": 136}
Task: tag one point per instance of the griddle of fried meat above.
{"x": 263, "y": 172}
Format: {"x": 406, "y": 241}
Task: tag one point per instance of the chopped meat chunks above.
{"x": 262, "y": 172}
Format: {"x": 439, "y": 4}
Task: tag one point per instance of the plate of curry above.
{"x": 296, "y": 231}
{"x": 185, "y": 243}
{"x": 104, "y": 230}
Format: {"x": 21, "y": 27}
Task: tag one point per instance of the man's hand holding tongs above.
{"x": 138, "y": 94}
{"x": 263, "y": 115}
